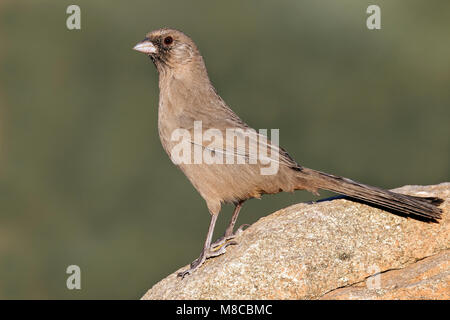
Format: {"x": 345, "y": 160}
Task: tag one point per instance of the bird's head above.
{"x": 169, "y": 49}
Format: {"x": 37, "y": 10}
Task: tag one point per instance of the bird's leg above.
{"x": 206, "y": 252}
{"x": 229, "y": 232}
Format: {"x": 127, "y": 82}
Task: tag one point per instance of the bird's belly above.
{"x": 221, "y": 182}
{"x": 234, "y": 182}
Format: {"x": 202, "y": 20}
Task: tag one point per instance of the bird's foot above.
{"x": 225, "y": 239}
{"x": 216, "y": 249}
{"x": 223, "y": 242}
{"x": 206, "y": 254}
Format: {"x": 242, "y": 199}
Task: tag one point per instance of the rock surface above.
{"x": 335, "y": 249}
{"x": 426, "y": 279}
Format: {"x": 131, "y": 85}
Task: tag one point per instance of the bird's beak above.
{"x": 145, "y": 46}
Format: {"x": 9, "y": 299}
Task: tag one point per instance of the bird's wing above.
{"x": 226, "y": 135}
{"x": 237, "y": 145}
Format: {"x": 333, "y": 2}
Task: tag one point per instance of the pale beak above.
{"x": 145, "y": 46}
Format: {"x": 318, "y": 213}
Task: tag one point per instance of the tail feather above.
{"x": 425, "y": 207}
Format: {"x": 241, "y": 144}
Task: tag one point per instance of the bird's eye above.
{"x": 168, "y": 40}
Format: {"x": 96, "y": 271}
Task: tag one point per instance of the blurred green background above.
{"x": 84, "y": 179}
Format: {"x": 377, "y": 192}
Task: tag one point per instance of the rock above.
{"x": 425, "y": 279}
{"x": 336, "y": 249}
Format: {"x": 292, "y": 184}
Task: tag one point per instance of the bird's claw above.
{"x": 182, "y": 274}
{"x": 218, "y": 250}
{"x": 224, "y": 239}
{"x": 194, "y": 265}
{"x": 220, "y": 247}
{"x": 241, "y": 229}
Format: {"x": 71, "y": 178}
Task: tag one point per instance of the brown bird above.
{"x": 187, "y": 97}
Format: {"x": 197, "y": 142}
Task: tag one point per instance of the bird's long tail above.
{"x": 424, "y": 207}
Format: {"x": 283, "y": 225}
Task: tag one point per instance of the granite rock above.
{"x": 333, "y": 249}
